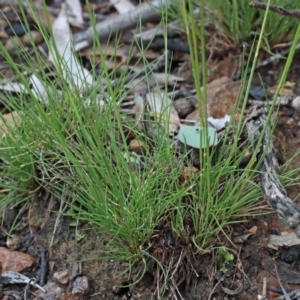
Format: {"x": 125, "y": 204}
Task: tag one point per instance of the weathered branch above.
{"x": 144, "y": 13}
{"x": 277, "y": 9}
{"x": 272, "y": 189}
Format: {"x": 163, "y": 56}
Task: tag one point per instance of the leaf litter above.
{"x": 221, "y": 101}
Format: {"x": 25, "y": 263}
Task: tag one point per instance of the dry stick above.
{"x": 25, "y": 4}
{"x": 294, "y": 295}
{"x": 144, "y": 13}
{"x": 273, "y": 191}
{"x": 215, "y": 287}
{"x": 276, "y": 56}
{"x": 264, "y": 288}
{"x": 280, "y": 10}
{"x": 287, "y": 297}
{"x": 39, "y": 7}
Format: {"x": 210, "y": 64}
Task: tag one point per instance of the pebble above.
{"x": 62, "y": 277}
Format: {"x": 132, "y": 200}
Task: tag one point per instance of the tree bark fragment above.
{"x": 273, "y": 191}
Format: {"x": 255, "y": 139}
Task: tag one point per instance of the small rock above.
{"x": 18, "y": 29}
{"x": 137, "y": 146}
{"x": 32, "y": 37}
{"x": 296, "y": 103}
{"x": 289, "y": 255}
{"x": 183, "y": 107}
{"x": 13, "y": 243}
{"x": 193, "y": 115}
{"x": 61, "y": 277}
{"x": 81, "y": 286}
{"x": 12, "y": 43}
{"x": 290, "y": 122}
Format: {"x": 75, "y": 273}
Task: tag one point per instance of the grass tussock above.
{"x": 145, "y": 203}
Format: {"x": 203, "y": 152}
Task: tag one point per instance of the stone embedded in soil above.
{"x": 13, "y": 242}
{"x": 15, "y": 260}
{"x": 296, "y": 103}
{"x": 62, "y": 277}
{"x": 81, "y": 286}
{"x": 183, "y": 107}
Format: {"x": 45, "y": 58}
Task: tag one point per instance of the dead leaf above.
{"x": 221, "y": 98}
{"x": 15, "y": 261}
{"x": 161, "y": 107}
{"x": 9, "y": 121}
{"x": 13, "y": 87}
{"x": 73, "y": 72}
{"x": 241, "y": 238}
{"x": 74, "y": 11}
{"x": 38, "y": 89}
{"x": 137, "y": 146}
{"x": 196, "y": 137}
{"x": 253, "y": 230}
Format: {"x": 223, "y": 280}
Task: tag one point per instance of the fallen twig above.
{"x": 144, "y": 13}
{"x": 264, "y": 289}
{"x": 272, "y": 189}
{"x": 295, "y": 13}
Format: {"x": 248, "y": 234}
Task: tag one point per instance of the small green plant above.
{"x": 224, "y": 258}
